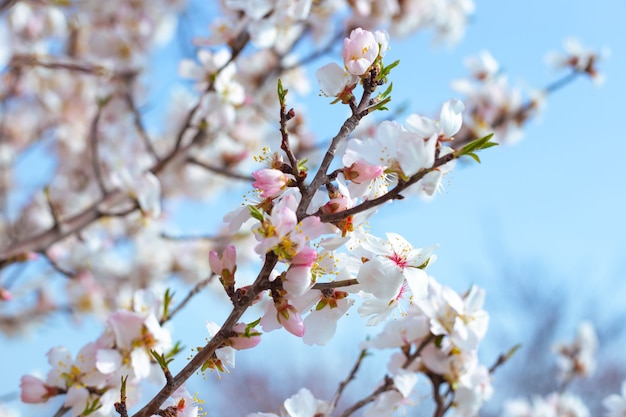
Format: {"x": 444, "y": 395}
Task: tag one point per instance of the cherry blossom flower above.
{"x": 224, "y": 357}
{"x": 280, "y": 313}
{"x": 182, "y": 402}
{"x": 327, "y": 307}
{"x": 395, "y": 260}
{"x": 473, "y": 390}
{"x": 271, "y": 182}
{"x": 360, "y": 51}
{"x": 404, "y": 331}
{"x": 127, "y": 342}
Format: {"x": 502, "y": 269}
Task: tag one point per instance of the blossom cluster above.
{"x": 91, "y": 380}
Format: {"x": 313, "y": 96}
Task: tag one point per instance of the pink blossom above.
{"x": 360, "y": 51}
{"x": 282, "y": 314}
{"x": 360, "y": 171}
{"x": 271, "y": 182}
{"x": 34, "y": 390}
{"x": 298, "y": 277}
{"x": 244, "y": 341}
{"x": 224, "y": 264}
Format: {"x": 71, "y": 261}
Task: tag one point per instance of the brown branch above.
{"x": 260, "y": 284}
{"x": 130, "y": 101}
{"x": 285, "y": 116}
{"x": 222, "y": 171}
{"x": 387, "y": 385}
{"x": 195, "y": 290}
{"x": 391, "y": 195}
{"x": 76, "y": 223}
{"x": 24, "y": 60}
{"x": 93, "y": 139}
{"x": 349, "y": 378}
{"x": 358, "y": 112}
{"x": 58, "y": 268}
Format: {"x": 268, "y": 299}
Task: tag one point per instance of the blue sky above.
{"x": 557, "y": 199}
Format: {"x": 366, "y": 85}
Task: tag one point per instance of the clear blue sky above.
{"x": 558, "y": 198}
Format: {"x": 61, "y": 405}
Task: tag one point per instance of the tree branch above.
{"x": 259, "y": 285}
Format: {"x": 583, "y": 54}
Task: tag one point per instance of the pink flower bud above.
{"x": 360, "y": 51}
{"x": 289, "y": 318}
{"x": 270, "y": 181}
{"x": 226, "y": 262}
{"x": 34, "y": 390}
{"x": 360, "y": 172}
{"x": 244, "y": 341}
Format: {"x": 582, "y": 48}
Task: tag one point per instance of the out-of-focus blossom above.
{"x": 577, "y": 359}
{"x": 615, "y": 404}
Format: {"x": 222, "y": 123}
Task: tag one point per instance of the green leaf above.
{"x": 256, "y": 213}
{"x": 474, "y": 146}
{"x": 302, "y": 165}
{"x": 281, "y": 93}
{"x": 386, "y": 70}
{"x": 513, "y": 350}
{"x": 91, "y": 407}
{"x": 250, "y": 327}
{"x": 381, "y": 105}
{"x": 473, "y": 156}
{"x": 167, "y": 301}
{"x": 387, "y": 92}
{"x": 175, "y": 350}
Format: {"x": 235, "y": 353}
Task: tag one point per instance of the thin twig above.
{"x": 358, "y": 112}
{"x": 391, "y": 195}
{"x": 56, "y": 266}
{"x": 349, "y": 378}
{"x": 24, "y": 60}
{"x": 95, "y": 154}
{"x": 141, "y": 130}
{"x": 387, "y": 385}
{"x": 195, "y": 290}
{"x": 222, "y": 171}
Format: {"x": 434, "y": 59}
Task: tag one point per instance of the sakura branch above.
{"x": 319, "y": 259}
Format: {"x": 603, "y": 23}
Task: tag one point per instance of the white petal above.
{"x": 108, "y": 360}
{"x": 404, "y": 381}
{"x": 381, "y": 277}
{"x": 302, "y": 404}
{"x": 418, "y": 282}
{"x": 451, "y": 117}
{"x": 421, "y": 125}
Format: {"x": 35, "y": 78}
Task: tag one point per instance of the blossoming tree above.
{"x": 73, "y": 84}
